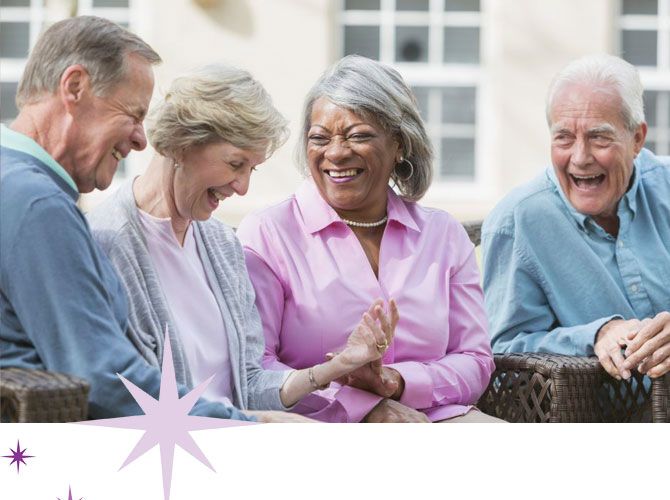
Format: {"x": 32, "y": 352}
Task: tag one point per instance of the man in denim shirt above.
{"x": 577, "y": 261}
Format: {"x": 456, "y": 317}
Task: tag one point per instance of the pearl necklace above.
{"x": 364, "y": 224}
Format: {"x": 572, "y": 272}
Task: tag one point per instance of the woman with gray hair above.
{"x": 346, "y": 239}
{"x": 183, "y": 269}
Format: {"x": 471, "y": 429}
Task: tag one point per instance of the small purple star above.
{"x": 69, "y": 497}
{"x": 18, "y": 456}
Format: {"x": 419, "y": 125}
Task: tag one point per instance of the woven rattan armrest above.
{"x": 533, "y": 387}
{"x": 41, "y": 396}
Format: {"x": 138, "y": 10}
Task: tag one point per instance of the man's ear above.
{"x": 639, "y": 136}
{"x": 75, "y": 85}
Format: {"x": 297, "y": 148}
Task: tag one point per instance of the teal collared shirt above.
{"x": 553, "y": 276}
{"x": 24, "y": 144}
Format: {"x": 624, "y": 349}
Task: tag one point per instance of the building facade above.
{"x": 479, "y": 69}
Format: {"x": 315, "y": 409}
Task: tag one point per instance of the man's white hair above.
{"x": 604, "y": 72}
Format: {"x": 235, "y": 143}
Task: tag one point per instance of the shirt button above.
{"x": 633, "y": 288}
{"x": 620, "y": 244}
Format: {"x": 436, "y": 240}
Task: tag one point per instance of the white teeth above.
{"x": 117, "y": 155}
{"x": 585, "y": 177}
{"x": 343, "y": 173}
{"x": 218, "y": 195}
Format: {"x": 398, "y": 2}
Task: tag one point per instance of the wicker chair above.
{"x": 40, "y": 396}
{"x": 534, "y": 387}
{"x": 525, "y": 387}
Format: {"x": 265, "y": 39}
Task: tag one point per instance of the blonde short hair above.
{"x": 216, "y": 103}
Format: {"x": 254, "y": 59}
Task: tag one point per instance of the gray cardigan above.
{"x": 117, "y": 228}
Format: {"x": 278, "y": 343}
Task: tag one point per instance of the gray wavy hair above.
{"x": 377, "y": 93}
{"x": 216, "y": 103}
{"x": 99, "y": 45}
{"x": 604, "y": 71}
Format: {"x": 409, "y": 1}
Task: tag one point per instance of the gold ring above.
{"x": 382, "y": 347}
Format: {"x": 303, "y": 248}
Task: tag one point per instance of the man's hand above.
{"x": 376, "y": 378}
{"x": 649, "y": 348}
{"x": 610, "y": 339}
{"x": 389, "y": 411}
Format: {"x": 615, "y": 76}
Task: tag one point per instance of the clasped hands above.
{"x": 646, "y": 345}
{"x": 370, "y": 375}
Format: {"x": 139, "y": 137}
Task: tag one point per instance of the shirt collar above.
{"x": 317, "y": 214}
{"x": 18, "y": 142}
{"x": 628, "y": 198}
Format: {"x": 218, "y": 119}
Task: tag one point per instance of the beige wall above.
{"x": 286, "y": 44}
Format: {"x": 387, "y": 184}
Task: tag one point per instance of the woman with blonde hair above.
{"x": 184, "y": 269}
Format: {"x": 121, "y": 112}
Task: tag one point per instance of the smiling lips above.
{"x": 117, "y": 154}
{"x": 215, "y": 196}
{"x": 340, "y": 176}
{"x": 587, "y": 182}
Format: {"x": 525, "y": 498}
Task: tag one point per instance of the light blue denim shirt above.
{"x": 553, "y": 276}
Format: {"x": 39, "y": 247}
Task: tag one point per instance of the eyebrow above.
{"x": 559, "y": 128}
{"x": 602, "y": 129}
{"x": 139, "y": 111}
{"x": 605, "y": 128}
{"x": 345, "y": 130}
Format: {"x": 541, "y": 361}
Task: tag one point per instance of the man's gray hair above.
{"x": 377, "y": 92}
{"x": 99, "y": 45}
{"x": 216, "y": 103}
{"x": 604, "y": 72}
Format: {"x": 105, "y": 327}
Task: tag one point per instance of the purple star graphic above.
{"x": 18, "y": 456}
{"x": 69, "y": 496}
{"x": 166, "y": 421}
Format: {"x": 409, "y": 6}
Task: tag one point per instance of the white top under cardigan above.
{"x": 193, "y": 305}
{"x": 117, "y": 228}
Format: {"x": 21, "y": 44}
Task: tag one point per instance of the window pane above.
{"x": 8, "y": 109}
{"x": 15, "y": 3}
{"x": 362, "y": 40}
{"x": 461, "y": 45}
{"x": 361, "y": 5}
{"x": 421, "y": 94}
{"x": 412, "y": 4}
{"x": 650, "y": 98}
{"x": 639, "y": 47}
{"x": 460, "y": 5}
{"x": 411, "y": 44}
{"x": 458, "y": 105}
{"x": 14, "y": 40}
{"x": 458, "y": 158}
{"x": 640, "y": 7}
{"x": 110, "y": 3}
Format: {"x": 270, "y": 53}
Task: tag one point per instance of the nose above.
{"x": 581, "y": 153}
{"x": 138, "y": 139}
{"x": 337, "y": 151}
{"x": 241, "y": 183}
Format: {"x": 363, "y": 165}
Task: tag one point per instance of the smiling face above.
{"x": 592, "y": 150}
{"x": 108, "y": 127}
{"x": 207, "y": 174}
{"x": 351, "y": 160}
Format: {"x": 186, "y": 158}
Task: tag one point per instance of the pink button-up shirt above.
{"x": 313, "y": 283}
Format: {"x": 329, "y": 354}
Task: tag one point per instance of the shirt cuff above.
{"x": 592, "y": 334}
{"x": 418, "y": 391}
{"x": 356, "y": 402}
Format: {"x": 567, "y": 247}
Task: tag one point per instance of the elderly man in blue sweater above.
{"x": 578, "y": 260}
{"x": 82, "y": 99}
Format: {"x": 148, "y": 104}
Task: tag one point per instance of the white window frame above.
{"x": 654, "y": 78}
{"x": 434, "y": 73}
